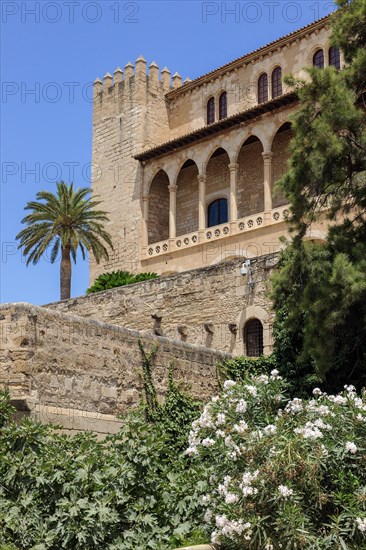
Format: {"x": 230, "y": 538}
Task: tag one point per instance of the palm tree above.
{"x": 65, "y": 221}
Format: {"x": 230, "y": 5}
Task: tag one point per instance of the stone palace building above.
{"x": 187, "y": 171}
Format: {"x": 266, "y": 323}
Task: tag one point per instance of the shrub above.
{"x": 283, "y": 475}
{"x": 114, "y": 279}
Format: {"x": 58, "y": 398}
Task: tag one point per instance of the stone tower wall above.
{"x": 129, "y": 114}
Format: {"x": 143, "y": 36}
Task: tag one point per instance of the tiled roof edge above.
{"x": 247, "y": 57}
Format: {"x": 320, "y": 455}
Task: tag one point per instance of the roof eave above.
{"x": 219, "y": 126}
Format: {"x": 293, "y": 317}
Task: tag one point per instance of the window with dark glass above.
{"x": 217, "y": 212}
{"x": 211, "y": 110}
{"x": 334, "y": 57}
{"x": 318, "y": 59}
{"x": 263, "y": 88}
{"x": 276, "y": 82}
{"x": 253, "y": 338}
{"x": 223, "y": 106}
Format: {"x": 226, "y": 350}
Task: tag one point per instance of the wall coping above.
{"x": 162, "y": 279}
{"x": 27, "y": 308}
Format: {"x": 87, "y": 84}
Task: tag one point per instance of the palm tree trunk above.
{"x": 65, "y": 273}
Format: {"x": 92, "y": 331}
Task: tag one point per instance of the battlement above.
{"x": 140, "y": 73}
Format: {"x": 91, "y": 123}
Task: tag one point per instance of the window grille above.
{"x": 253, "y": 338}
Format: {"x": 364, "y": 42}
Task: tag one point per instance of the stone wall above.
{"x": 80, "y": 373}
{"x": 217, "y": 295}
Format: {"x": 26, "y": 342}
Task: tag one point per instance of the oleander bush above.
{"x": 114, "y": 279}
{"x": 283, "y": 474}
{"x": 260, "y": 471}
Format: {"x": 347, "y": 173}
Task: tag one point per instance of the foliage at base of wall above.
{"x": 132, "y": 491}
{"x": 114, "y": 279}
{"x": 176, "y": 412}
{"x": 301, "y": 378}
{"x": 259, "y": 471}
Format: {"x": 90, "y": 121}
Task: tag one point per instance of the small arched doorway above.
{"x": 253, "y": 338}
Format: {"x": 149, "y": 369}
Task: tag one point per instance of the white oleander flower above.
{"x": 208, "y": 516}
{"x": 191, "y": 451}
{"x": 263, "y": 379}
{"x": 220, "y": 419}
{"x": 275, "y": 374}
{"x": 231, "y": 498}
{"x": 285, "y": 491}
{"x": 317, "y": 391}
{"x": 361, "y": 524}
{"x": 295, "y": 406}
{"x": 208, "y": 442}
{"x": 351, "y": 447}
{"x": 309, "y": 432}
{"x": 241, "y": 406}
{"x": 339, "y": 400}
{"x": 229, "y": 384}
{"x": 270, "y": 429}
{"x": 241, "y": 427}
{"x": 252, "y": 390}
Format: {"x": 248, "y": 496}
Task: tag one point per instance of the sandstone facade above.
{"x": 159, "y": 165}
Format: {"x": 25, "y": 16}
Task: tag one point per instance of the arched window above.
{"x": 334, "y": 57}
{"x": 263, "y": 88}
{"x": 318, "y": 59}
{"x": 217, "y": 212}
{"x": 211, "y": 110}
{"x": 223, "y": 106}
{"x": 253, "y": 338}
{"x": 276, "y": 82}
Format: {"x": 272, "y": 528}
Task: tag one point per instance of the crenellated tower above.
{"x": 130, "y": 114}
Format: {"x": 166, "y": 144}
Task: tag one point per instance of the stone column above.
{"x": 234, "y": 170}
{"x": 267, "y": 183}
{"x": 145, "y": 219}
{"x": 201, "y": 203}
{"x": 172, "y": 211}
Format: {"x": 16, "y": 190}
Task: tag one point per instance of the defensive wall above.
{"x": 81, "y": 373}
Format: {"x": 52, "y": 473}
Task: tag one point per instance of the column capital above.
{"x": 146, "y": 197}
{"x": 172, "y": 188}
{"x": 201, "y": 178}
{"x": 233, "y": 166}
{"x": 267, "y": 155}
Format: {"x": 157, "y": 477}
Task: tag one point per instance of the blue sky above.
{"x": 51, "y": 51}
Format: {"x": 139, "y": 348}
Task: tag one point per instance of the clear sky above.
{"x": 51, "y": 52}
